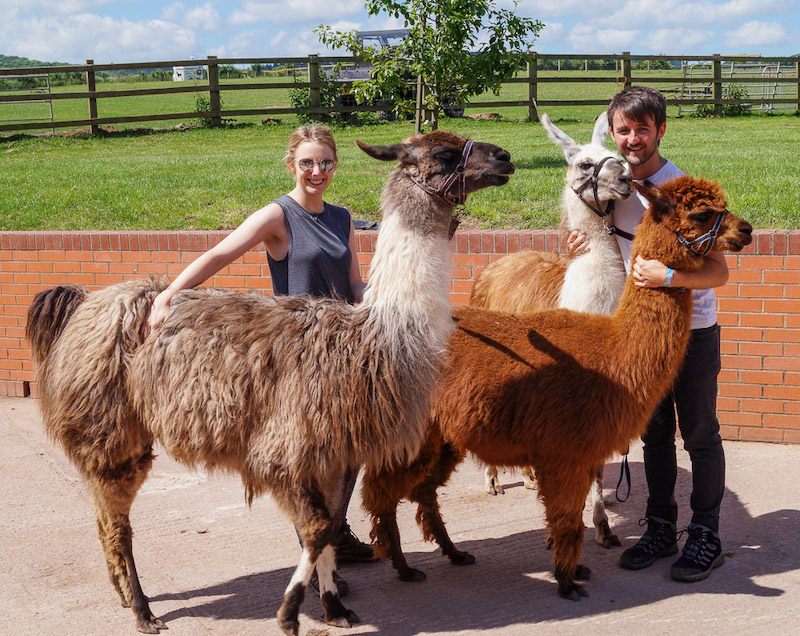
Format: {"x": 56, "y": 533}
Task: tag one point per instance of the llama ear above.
{"x": 659, "y": 202}
{"x": 600, "y": 132}
{"x": 382, "y": 153}
{"x": 560, "y": 138}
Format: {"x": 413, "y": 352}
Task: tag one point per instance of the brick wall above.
{"x": 759, "y": 309}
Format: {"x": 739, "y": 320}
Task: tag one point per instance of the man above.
{"x": 637, "y": 122}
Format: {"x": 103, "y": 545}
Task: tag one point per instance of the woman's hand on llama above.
{"x": 159, "y": 311}
{"x": 649, "y": 273}
{"x": 577, "y": 243}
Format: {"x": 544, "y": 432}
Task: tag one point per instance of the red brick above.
{"x": 732, "y": 418}
{"x": 742, "y": 390}
{"x": 791, "y": 437}
{"x": 761, "y": 406}
{"x": 782, "y": 363}
{"x": 761, "y": 348}
{"x": 782, "y": 335}
{"x": 761, "y": 435}
{"x": 727, "y": 404}
{"x": 744, "y": 333}
{"x": 462, "y": 287}
{"x": 729, "y": 432}
{"x": 761, "y": 320}
{"x": 742, "y": 362}
{"x": 782, "y": 393}
{"x": 761, "y": 291}
{"x": 460, "y": 260}
{"x": 745, "y": 276}
{"x": 762, "y": 377}
{"x": 738, "y": 305}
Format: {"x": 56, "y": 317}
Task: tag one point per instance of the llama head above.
{"x": 611, "y": 180}
{"x": 694, "y": 218}
{"x": 433, "y": 160}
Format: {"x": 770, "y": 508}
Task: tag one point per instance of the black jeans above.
{"x": 694, "y": 396}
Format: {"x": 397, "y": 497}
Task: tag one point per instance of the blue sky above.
{"x": 153, "y": 30}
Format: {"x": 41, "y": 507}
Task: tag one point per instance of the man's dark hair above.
{"x": 639, "y": 103}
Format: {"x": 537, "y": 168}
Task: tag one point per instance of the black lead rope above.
{"x": 624, "y": 471}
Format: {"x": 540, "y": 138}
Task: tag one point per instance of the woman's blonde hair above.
{"x": 316, "y": 132}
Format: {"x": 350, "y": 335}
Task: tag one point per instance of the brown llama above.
{"x": 558, "y": 390}
{"x": 292, "y": 393}
{"x": 531, "y": 281}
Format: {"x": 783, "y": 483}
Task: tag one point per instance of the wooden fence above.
{"x": 625, "y": 76}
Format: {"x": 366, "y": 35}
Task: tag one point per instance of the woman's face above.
{"x": 314, "y": 157}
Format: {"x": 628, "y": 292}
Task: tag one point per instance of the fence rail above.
{"x": 712, "y": 95}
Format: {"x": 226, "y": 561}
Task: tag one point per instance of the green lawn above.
{"x": 211, "y": 179}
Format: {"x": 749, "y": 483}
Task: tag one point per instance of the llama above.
{"x": 558, "y": 390}
{"x": 291, "y": 393}
{"x": 592, "y": 282}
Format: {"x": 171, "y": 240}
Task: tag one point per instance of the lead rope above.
{"x": 624, "y": 471}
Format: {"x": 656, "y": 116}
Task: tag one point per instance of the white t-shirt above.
{"x": 628, "y": 215}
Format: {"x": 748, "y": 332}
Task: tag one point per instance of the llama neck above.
{"x": 652, "y": 331}
{"x": 409, "y": 279}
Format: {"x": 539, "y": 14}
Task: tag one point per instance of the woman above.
{"x": 311, "y": 249}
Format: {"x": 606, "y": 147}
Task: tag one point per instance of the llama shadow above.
{"x": 511, "y": 582}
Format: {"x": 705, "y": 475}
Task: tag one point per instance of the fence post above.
{"x": 313, "y": 78}
{"x": 797, "y": 84}
{"x": 716, "y": 88}
{"x": 626, "y": 68}
{"x": 533, "y": 87}
{"x": 213, "y": 91}
{"x": 91, "y": 87}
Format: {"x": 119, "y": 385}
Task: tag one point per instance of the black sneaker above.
{"x": 350, "y": 550}
{"x": 341, "y": 585}
{"x": 660, "y": 540}
{"x": 701, "y": 554}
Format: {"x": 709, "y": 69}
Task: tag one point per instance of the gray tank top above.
{"x": 318, "y": 260}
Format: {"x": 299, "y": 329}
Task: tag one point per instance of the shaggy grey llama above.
{"x": 291, "y": 393}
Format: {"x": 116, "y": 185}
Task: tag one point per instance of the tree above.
{"x": 442, "y": 49}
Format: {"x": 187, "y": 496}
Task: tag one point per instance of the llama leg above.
{"x": 492, "y": 482}
{"x": 429, "y": 516}
{"x": 528, "y": 478}
{"x": 564, "y": 497}
{"x": 381, "y": 492}
{"x": 113, "y": 497}
{"x": 603, "y": 534}
{"x": 313, "y": 520}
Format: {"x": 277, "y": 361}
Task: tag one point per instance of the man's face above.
{"x": 636, "y": 141}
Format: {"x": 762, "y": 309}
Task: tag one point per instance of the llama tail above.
{"x": 48, "y": 314}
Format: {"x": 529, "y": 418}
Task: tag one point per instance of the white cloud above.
{"x": 550, "y": 38}
{"x": 753, "y": 35}
{"x": 687, "y": 13}
{"x": 55, "y": 7}
{"x": 541, "y": 9}
{"x": 587, "y": 38}
{"x": 205, "y": 17}
{"x": 676, "y": 41}
{"x": 103, "y": 39}
{"x": 294, "y": 11}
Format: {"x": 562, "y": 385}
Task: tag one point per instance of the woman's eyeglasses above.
{"x": 307, "y": 165}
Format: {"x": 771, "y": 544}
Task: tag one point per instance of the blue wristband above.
{"x": 668, "y": 277}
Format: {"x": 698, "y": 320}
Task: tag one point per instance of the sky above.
{"x": 117, "y": 31}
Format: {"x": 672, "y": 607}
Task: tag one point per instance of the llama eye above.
{"x": 702, "y": 217}
{"x": 585, "y": 166}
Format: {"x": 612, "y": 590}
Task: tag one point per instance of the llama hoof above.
{"x": 530, "y": 485}
{"x": 462, "y": 558}
{"x": 494, "y": 487}
{"x": 346, "y": 621}
{"x": 412, "y": 575}
{"x": 151, "y": 627}
{"x": 582, "y": 573}
{"x": 573, "y": 592}
{"x": 608, "y": 541}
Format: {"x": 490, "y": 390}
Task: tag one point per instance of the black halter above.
{"x": 458, "y": 177}
{"x": 708, "y": 236}
{"x": 593, "y": 182}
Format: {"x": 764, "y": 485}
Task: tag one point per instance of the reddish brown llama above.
{"x": 560, "y": 391}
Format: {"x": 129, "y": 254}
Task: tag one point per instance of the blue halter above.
{"x": 708, "y": 236}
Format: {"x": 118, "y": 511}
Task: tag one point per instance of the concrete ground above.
{"x": 211, "y": 565}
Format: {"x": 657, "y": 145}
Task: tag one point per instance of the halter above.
{"x": 458, "y": 176}
{"x": 708, "y": 236}
{"x": 593, "y": 182}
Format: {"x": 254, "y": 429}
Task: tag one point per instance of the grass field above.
{"x": 211, "y": 179}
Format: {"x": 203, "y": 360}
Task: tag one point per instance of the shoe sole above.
{"x": 646, "y": 564}
{"x": 692, "y": 578}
